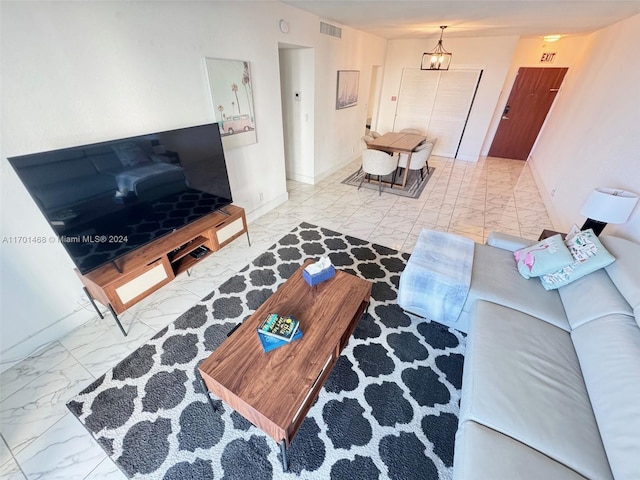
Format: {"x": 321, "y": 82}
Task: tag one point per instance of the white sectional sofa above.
{"x": 551, "y": 383}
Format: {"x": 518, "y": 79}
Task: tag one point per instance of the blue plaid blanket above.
{"x": 436, "y": 281}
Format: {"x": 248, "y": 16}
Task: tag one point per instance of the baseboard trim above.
{"x": 265, "y": 208}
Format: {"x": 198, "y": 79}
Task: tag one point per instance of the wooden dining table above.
{"x": 397, "y": 142}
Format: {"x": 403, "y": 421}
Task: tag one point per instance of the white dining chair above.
{"x": 375, "y": 134}
{"x": 376, "y": 162}
{"x": 415, "y": 131}
{"x": 419, "y": 157}
{"x": 367, "y": 139}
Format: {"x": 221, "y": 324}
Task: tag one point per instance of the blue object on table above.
{"x": 271, "y": 343}
{"x": 321, "y": 276}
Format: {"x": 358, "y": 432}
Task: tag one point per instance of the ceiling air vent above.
{"x": 331, "y": 30}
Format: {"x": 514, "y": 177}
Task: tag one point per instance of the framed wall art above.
{"x": 232, "y": 100}
{"x": 347, "y": 89}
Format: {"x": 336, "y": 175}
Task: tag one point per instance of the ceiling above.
{"x": 393, "y": 19}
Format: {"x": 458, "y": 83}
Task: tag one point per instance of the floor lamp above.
{"x": 607, "y": 205}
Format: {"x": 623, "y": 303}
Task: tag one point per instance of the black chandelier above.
{"x": 439, "y": 58}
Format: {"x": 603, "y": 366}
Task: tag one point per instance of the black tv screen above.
{"x": 106, "y": 199}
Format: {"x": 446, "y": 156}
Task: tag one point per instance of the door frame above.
{"x": 504, "y": 99}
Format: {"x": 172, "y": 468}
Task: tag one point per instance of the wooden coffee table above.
{"x": 275, "y": 390}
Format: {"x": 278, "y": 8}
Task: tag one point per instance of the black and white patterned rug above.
{"x": 389, "y": 409}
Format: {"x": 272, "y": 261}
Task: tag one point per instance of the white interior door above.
{"x": 437, "y": 103}
{"x": 415, "y": 100}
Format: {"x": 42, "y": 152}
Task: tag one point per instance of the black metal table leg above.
{"x": 92, "y": 301}
{"x": 206, "y": 392}
{"x": 283, "y": 452}
{"x": 115, "y": 315}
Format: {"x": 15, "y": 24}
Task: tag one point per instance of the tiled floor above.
{"x": 42, "y": 440}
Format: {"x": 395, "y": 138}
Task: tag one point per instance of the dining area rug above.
{"x": 388, "y": 410}
{"x": 413, "y": 189}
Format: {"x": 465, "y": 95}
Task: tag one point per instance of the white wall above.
{"x": 592, "y": 137}
{"x": 81, "y": 72}
{"x": 492, "y": 54}
{"x": 338, "y": 132}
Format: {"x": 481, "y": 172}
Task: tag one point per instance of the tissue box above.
{"x": 321, "y": 276}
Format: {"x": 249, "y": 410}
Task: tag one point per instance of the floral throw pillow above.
{"x": 588, "y": 256}
{"x": 546, "y": 256}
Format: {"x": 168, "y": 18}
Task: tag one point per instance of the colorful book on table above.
{"x": 282, "y": 327}
{"x": 271, "y": 343}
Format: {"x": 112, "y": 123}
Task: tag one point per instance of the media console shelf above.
{"x": 136, "y": 275}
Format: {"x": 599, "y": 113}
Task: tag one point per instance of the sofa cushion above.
{"x": 58, "y": 172}
{"x": 609, "y": 352}
{"x": 495, "y": 278}
{"x": 543, "y": 257}
{"x": 625, "y": 273}
{"x": 130, "y": 153}
{"x": 484, "y": 454}
{"x": 507, "y": 241}
{"x": 589, "y": 255}
{"x": 592, "y": 297}
{"x": 522, "y": 378}
{"x": 66, "y": 194}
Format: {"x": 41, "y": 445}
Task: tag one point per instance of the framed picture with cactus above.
{"x": 232, "y": 100}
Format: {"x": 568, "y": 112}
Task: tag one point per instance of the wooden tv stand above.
{"x": 134, "y": 276}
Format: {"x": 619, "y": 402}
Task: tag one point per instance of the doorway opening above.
{"x": 374, "y": 95}
{"x": 296, "y": 94}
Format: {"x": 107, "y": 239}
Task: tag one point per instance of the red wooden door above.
{"x": 529, "y": 102}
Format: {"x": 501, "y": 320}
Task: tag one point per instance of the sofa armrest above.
{"x": 506, "y": 241}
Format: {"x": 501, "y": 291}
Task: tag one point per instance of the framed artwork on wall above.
{"x": 347, "y": 88}
{"x": 232, "y": 100}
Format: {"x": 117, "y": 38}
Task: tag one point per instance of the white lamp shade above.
{"x": 609, "y": 205}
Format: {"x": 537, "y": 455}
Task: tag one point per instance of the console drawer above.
{"x": 225, "y": 233}
{"x": 153, "y": 278}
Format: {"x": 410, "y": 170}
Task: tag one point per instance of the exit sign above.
{"x": 547, "y": 57}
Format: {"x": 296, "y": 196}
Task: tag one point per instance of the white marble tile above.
{"x": 31, "y": 368}
{"x": 410, "y": 242}
{"x": 321, "y": 201}
{"x": 406, "y": 211}
{"x": 331, "y": 219}
{"x": 5, "y": 453}
{"x": 164, "y": 306}
{"x": 358, "y": 228}
{"x": 204, "y": 277}
{"x": 443, "y": 221}
{"x": 107, "y": 470}
{"x": 64, "y": 451}
{"x": 393, "y": 223}
{"x": 355, "y": 198}
{"x": 382, "y": 202}
{"x": 11, "y": 471}
{"x": 469, "y": 231}
{"x": 29, "y": 412}
{"x": 466, "y": 222}
{"x": 531, "y": 219}
{"x": 369, "y": 214}
{"x": 389, "y": 238}
{"x": 282, "y": 217}
{"x": 99, "y": 344}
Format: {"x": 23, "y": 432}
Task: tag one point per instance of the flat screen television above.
{"x": 106, "y": 199}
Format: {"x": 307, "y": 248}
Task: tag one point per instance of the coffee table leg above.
{"x": 283, "y": 451}
{"x": 206, "y": 392}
